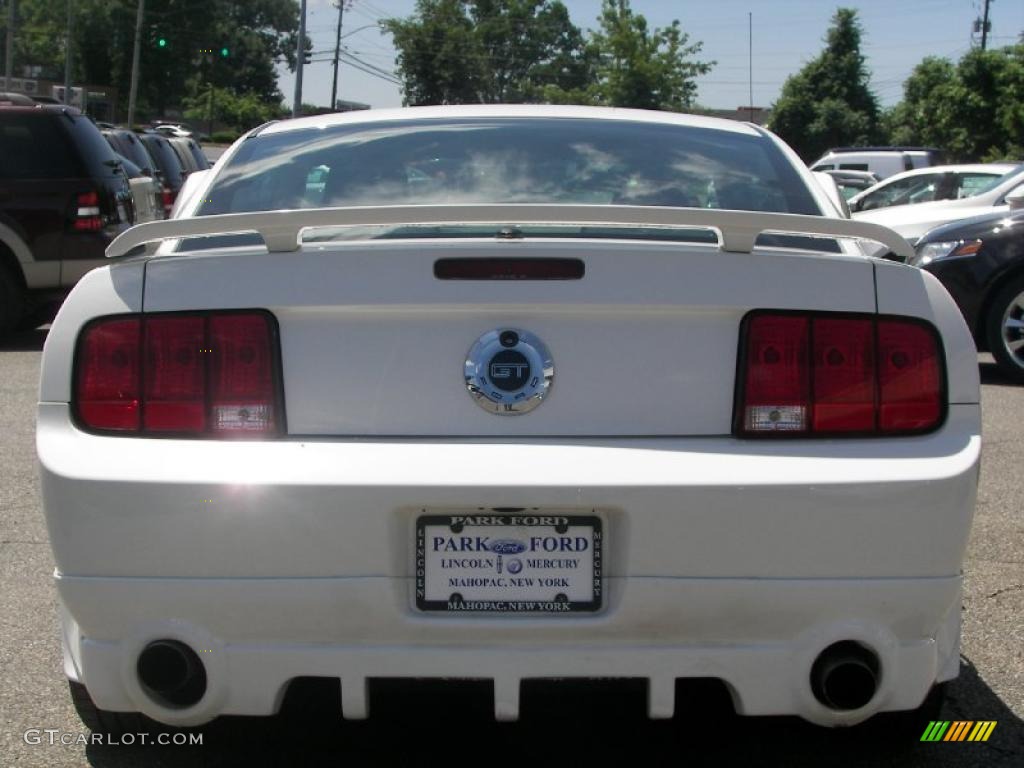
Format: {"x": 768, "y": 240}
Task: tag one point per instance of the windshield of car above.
{"x": 509, "y": 160}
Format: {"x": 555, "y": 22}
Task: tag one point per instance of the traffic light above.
{"x": 162, "y": 42}
{"x": 307, "y": 58}
{"x": 224, "y": 52}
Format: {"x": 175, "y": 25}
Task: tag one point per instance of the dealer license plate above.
{"x": 508, "y": 563}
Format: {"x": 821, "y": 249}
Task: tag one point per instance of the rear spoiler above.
{"x": 280, "y": 230}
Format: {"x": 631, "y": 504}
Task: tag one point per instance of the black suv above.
{"x": 63, "y": 197}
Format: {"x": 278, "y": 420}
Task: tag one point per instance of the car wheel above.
{"x": 1005, "y": 329}
{"x": 12, "y": 301}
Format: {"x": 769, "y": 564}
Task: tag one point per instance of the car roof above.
{"x": 15, "y": 99}
{"x": 847, "y": 173}
{"x": 43, "y": 109}
{"x": 996, "y": 169}
{"x": 844, "y": 150}
{"x": 507, "y": 110}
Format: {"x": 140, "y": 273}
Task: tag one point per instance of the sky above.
{"x": 786, "y": 35}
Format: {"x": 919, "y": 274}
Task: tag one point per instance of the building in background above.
{"x": 97, "y": 101}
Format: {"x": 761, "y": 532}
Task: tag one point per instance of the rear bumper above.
{"x": 723, "y": 558}
{"x": 759, "y": 637}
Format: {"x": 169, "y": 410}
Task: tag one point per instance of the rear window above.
{"x": 133, "y": 149}
{"x": 197, "y": 154}
{"x": 165, "y": 157}
{"x": 184, "y": 156}
{"x": 33, "y": 146}
{"x": 93, "y": 148}
{"x": 511, "y": 160}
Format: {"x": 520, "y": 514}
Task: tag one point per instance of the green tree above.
{"x": 225, "y": 107}
{"x": 829, "y": 102}
{"x": 486, "y": 51}
{"x": 256, "y": 32}
{"x": 635, "y": 66}
{"x": 974, "y": 109}
{"x": 501, "y": 51}
{"x": 438, "y": 57}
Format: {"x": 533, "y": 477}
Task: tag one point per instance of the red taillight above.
{"x": 242, "y": 375}
{"x": 844, "y": 375}
{"x": 186, "y": 374}
{"x": 167, "y": 197}
{"x": 87, "y": 216}
{"x": 175, "y": 374}
{"x": 909, "y": 378}
{"x": 777, "y": 384}
{"x": 818, "y": 373}
{"x": 109, "y": 384}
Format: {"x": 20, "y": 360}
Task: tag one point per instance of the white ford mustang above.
{"x": 508, "y": 393}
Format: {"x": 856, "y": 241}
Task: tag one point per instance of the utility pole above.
{"x": 984, "y": 27}
{"x": 750, "y": 62}
{"x": 9, "y": 54}
{"x": 300, "y": 57}
{"x": 134, "y": 86}
{"x": 337, "y": 53}
{"x": 67, "y": 62}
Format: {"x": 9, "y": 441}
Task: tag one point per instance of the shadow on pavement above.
{"x": 308, "y": 733}
{"x": 23, "y": 341}
{"x": 993, "y": 374}
{"x": 30, "y": 337}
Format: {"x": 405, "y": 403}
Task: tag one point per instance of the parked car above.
{"x": 63, "y": 197}
{"x": 923, "y": 185}
{"x": 851, "y": 183}
{"x": 9, "y": 99}
{"x": 173, "y": 129}
{"x": 168, "y": 162}
{"x": 146, "y": 197}
{"x": 882, "y": 161}
{"x": 497, "y": 403}
{"x": 980, "y": 261}
{"x": 188, "y": 152}
{"x": 147, "y": 182}
{"x": 128, "y": 144}
{"x": 912, "y": 221}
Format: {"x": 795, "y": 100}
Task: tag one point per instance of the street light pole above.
{"x": 134, "y": 86}
{"x": 300, "y": 57}
{"x": 67, "y": 62}
{"x": 337, "y": 53}
{"x": 750, "y": 63}
{"x": 9, "y": 55}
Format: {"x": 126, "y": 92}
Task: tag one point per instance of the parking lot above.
{"x": 33, "y": 694}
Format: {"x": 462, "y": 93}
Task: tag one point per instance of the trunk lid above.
{"x": 644, "y": 344}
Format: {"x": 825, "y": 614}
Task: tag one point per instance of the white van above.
{"x": 882, "y": 161}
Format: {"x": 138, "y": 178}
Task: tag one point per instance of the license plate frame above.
{"x": 505, "y": 527}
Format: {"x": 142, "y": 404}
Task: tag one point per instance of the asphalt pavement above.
{"x": 33, "y": 693}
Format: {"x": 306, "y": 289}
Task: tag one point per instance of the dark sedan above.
{"x": 981, "y": 262}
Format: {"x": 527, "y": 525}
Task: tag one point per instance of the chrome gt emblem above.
{"x": 509, "y": 371}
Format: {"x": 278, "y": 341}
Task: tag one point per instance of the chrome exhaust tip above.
{"x": 171, "y": 674}
{"x": 845, "y": 676}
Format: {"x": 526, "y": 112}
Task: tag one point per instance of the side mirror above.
{"x": 1015, "y": 198}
